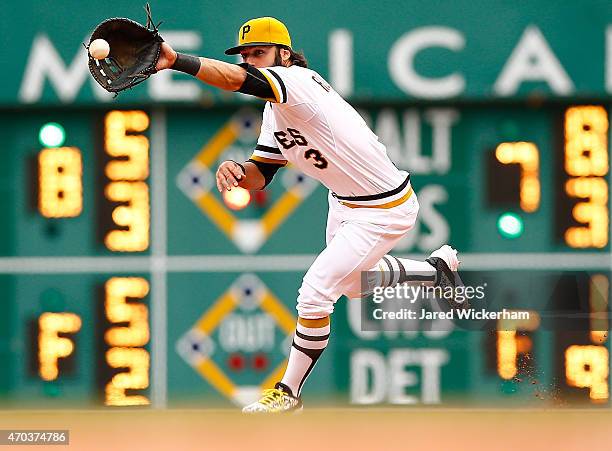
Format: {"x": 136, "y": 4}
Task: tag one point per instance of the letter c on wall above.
{"x": 401, "y": 62}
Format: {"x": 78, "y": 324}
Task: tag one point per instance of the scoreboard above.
{"x": 59, "y": 206}
{"x": 127, "y": 279}
{"x": 548, "y": 167}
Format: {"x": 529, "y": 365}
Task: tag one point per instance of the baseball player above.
{"x": 371, "y": 202}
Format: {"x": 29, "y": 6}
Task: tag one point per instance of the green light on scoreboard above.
{"x": 52, "y": 134}
{"x": 510, "y": 225}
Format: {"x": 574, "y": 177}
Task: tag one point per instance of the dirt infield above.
{"x": 338, "y": 429}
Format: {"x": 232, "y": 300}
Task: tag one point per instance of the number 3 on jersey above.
{"x": 320, "y": 162}
{"x": 296, "y": 139}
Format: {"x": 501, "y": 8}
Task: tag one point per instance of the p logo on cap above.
{"x": 245, "y": 30}
{"x": 261, "y": 31}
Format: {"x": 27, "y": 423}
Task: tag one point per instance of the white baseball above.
{"x": 99, "y": 49}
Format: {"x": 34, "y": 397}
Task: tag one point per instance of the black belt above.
{"x": 393, "y": 192}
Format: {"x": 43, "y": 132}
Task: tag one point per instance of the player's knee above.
{"x": 313, "y": 304}
{"x": 310, "y": 311}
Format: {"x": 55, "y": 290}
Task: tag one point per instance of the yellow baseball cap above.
{"x": 261, "y": 31}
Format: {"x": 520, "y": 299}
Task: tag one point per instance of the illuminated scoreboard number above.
{"x": 125, "y": 169}
{"x": 513, "y": 171}
{"x": 123, "y": 372}
{"x": 515, "y": 161}
{"x": 575, "y": 367}
{"x": 126, "y": 192}
{"x": 125, "y": 340}
{"x": 132, "y": 215}
{"x": 60, "y": 182}
{"x": 587, "y": 366}
{"x": 584, "y": 356}
{"x": 584, "y": 215}
{"x": 527, "y": 158}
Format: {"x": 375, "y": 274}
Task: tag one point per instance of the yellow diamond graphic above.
{"x": 196, "y": 346}
{"x": 197, "y": 181}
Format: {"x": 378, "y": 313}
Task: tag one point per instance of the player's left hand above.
{"x": 135, "y": 52}
{"x": 229, "y": 175}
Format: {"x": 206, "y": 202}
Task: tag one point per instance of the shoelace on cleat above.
{"x": 271, "y": 396}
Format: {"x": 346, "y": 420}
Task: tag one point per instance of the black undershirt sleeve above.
{"x": 267, "y": 170}
{"x": 256, "y": 84}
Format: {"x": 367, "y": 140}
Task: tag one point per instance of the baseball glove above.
{"x": 134, "y": 51}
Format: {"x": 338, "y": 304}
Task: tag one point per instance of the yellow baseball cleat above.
{"x": 279, "y": 399}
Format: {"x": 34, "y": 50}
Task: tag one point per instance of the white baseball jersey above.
{"x": 315, "y": 129}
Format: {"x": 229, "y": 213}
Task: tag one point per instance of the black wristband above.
{"x": 268, "y": 170}
{"x": 187, "y": 63}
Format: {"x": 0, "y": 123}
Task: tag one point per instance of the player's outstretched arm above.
{"x": 229, "y": 77}
{"x": 231, "y": 174}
